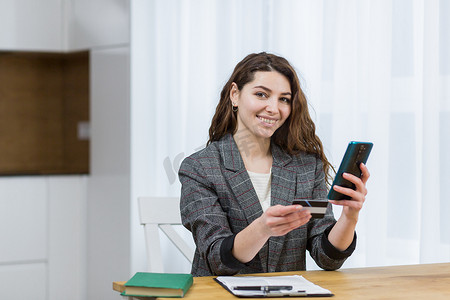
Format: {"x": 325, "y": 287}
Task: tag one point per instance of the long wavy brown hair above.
{"x": 298, "y": 133}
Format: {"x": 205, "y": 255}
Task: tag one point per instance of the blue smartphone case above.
{"x": 356, "y": 153}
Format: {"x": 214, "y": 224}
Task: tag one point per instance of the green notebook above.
{"x": 158, "y": 285}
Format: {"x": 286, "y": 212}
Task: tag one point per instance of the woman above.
{"x": 262, "y": 154}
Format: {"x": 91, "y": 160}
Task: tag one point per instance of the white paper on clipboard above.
{"x": 300, "y": 286}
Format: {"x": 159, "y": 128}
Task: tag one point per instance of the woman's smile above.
{"x": 267, "y": 120}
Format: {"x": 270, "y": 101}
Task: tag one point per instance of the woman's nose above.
{"x": 272, "y": 105}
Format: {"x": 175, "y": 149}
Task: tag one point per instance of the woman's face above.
{"x": 264, "y": 104}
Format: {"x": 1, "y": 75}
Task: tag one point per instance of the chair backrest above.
{"x": 161, "y": 213}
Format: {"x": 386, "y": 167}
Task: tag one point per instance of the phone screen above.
{"x": 356, "y": 153}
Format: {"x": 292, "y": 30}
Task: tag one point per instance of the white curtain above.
{"x": 374, "y": 70}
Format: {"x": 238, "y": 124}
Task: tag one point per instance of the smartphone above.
{"x": 356, "y": 153}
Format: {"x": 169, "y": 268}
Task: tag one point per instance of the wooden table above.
{"x": 427, "y": 281}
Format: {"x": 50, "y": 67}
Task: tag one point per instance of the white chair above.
{"x": 161, "y": 213}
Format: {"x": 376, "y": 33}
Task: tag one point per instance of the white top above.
{"x": 261, "y": 182}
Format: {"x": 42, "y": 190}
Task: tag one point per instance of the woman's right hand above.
{"x": 278, "y": 220}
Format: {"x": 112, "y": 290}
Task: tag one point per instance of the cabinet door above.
{"x": 24, "y": 281}
{"x": 99, "y": 23}
{"x": 31, "y": 25}
{"x": 23, "y": 219}
{"x": 67, "y": 237}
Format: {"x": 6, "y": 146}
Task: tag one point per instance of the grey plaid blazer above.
{"x": 218, "y": 200}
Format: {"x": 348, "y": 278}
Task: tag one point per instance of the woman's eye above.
{"x": 261, "y": 95}
{"x": 287, "y": 100}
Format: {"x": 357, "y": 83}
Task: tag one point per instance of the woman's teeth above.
{"x": 266, "y": 120}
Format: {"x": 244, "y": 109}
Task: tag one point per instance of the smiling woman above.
{"x": 371, "y": 70}
{"x": 237, "y": 194}
{"x": 263, "y": 75}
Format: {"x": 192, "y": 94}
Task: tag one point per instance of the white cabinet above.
{"x": 67, "y": 237}
{"x": 63, "y": 25}
{"x": 98, "y": 23}
{"x": 43, "y": 237}
{"x": 24, "y": 281}
{"x": 108, "y": 206}
{"x": 23, "y": 219}
{"x": 31, "y": 25}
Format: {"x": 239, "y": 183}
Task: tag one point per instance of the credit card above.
{"x": 316, "y": 207}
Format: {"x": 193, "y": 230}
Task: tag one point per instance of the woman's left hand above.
{"x": 352, "y": 207}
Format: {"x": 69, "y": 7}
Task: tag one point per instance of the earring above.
{"x": 234, "y": 107}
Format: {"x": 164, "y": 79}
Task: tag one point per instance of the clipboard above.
{"x": 271, "y": 286}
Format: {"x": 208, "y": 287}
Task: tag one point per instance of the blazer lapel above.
{"x": 242, "y": 186}
{"x": 283, "y": 190}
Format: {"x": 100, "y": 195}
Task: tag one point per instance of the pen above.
{"x": 264, "y": 288}
{"x": 308, "y": 203}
